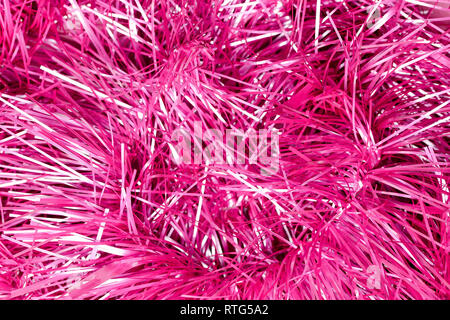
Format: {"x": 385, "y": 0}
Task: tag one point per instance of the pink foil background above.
{"x": 93, "y": 207}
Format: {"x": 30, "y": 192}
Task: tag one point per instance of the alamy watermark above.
{"x": 232, "y": 147}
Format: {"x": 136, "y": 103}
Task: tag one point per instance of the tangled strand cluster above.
{"x": 93, "y": 207}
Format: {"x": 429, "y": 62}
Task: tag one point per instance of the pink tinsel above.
{"x": 95, "y": 203}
